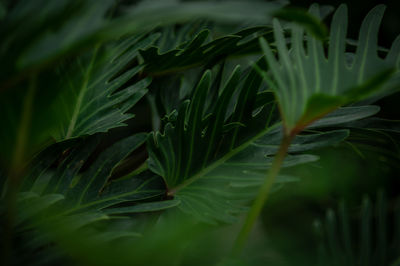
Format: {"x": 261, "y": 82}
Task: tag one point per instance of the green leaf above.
{"x": 77, "y": 194}
{"x": 200, "y": 52}
{"x": 305, "y": 71}
{"x": 216, "y": 173}
{"x": 30, "y": 204}
{"x": 95, "y": 97}
{"x": 64, "y": 29}
{"x": 144, "y": 207}
{"x": 89, "y": 94}
{"x": 92, "y": 190}
{"x": 318, "y": 106}
{"x": 346, "y": 114}
{"x": 301, "y": 142}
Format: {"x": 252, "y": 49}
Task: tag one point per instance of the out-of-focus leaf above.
{"x": 64, "y": 27}
{"x": 305, "y": 19}
{"x": 362, "y": 238}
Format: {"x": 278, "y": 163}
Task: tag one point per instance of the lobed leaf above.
{"x": 309, "y": 84}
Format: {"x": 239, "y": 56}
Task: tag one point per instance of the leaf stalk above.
{"x": 262, "y": 195}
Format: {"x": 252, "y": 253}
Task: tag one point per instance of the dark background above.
{"x": 347, "y": 173}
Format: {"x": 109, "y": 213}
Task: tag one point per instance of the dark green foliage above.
{"x": 132, "y": 130}
{"x": 363, "y": 238}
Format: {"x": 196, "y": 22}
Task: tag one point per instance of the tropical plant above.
{"x": 126, "y": 128}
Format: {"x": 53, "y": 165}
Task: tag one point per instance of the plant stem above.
{"x": 262, "y": 195}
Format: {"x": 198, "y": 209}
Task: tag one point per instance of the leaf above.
{"x": 160, "y": 12}
{"x": 144, "y": 207}
{"x": 318, "y": 106}
{"x": 43, "y": 23}
{"x": 62, "y": 30}
{"x": 346, "y": 114}
{"x": 190, "y": 145}
{"x": 301, "y": 17}
{"x": 77, "y": 194}
{"x": 309, "y": 84}
{"x": 362, "y": 238}
{"x": 301, "y": 143}
{"x": 32, "y": 204}
{"x": 95, "y": 97}
{"x": 215, "y": 173}
{"x": 91, "y": 191}
{"x": 199, "y": 52}
{"x": 87, "y": 95}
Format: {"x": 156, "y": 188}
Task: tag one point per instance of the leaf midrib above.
{"x": 137, "y": 190}
{"x": 222, "y": 160}
{"x": 81, "y": 95}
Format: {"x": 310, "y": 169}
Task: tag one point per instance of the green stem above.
{"x": 262, "y": 195}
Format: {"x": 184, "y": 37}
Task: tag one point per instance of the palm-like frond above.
{"x": 309, "y": 84}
